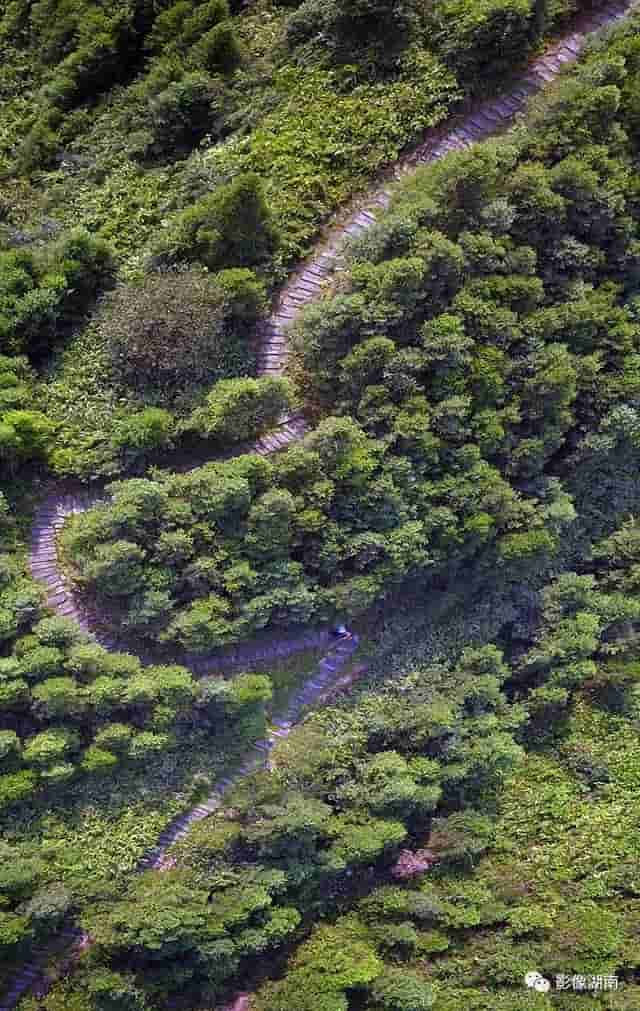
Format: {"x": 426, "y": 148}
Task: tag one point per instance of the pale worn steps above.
{"x": 305, "y": 286}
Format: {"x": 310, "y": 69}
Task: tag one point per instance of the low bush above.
{"x": 41, "y": 295}
{"x": 230, "y": 227}
{"x": 179, "y": 331}
{"x": 239, "y": 410}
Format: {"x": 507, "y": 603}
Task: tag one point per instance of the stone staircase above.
{"x": 306, "y": 286}
{"x": 335, "y": 659}
{"x": 32, "y": 976}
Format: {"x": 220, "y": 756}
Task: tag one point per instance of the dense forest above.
{"x": 465, "y": 497}
{"x": 474, "y": 369}
{"x": 211, "y": 141}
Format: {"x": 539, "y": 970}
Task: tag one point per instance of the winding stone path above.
{"x": 33, "y": 975}
{"x": 305, "y": 286}
{"x": 51, "y": 515}
{"x": 482, "y": 121}
{"x": 312, "y": 690}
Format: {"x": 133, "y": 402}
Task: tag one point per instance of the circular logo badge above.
{"x": 532, "y": 978}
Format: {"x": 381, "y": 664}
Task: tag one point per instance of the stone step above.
{"x": 312, "y": 273}
{"x": 542, "y": 71}
{"x": 309, "y": 283}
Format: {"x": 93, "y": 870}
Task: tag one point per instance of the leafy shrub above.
{"x": 143, "y": 433}
{"x": 186, "y": 110}
{"x": 484, "y": 39}
{"x": 238, "y": 410}
{"x": 230, "y": 227}
{"x": 175, "y": 332}
{"x": 24, "y": 435}
{"x": 217, "y": 51}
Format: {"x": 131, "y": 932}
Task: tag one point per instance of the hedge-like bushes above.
{"x": 41, "y": 294}
{"x": 231, "y": 227}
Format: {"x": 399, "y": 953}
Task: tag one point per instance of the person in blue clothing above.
{"x": 341, "y": 632}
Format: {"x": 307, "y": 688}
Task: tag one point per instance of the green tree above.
{"x": 462, "y": 837}
{"x": 218, "y": 50}
{"x": 16, "y": 787}
{"x": 184, "y": 111}
{"x": 203, "y": 625}
{"x": 291, "y": 832}
{"x": 161, "y": 919}
{"x": 117, "y": 568}
{"x": 49, "y": 747}
{"x": 59, "y": 698}
{"x": 14, "y": 932}
{"x": 230, "y": 227}
{"x": 238, "y": 410}
{"x": 47, "y": 908}
{"x": 270, "y": 525}
{"x": 399, "y": 989}
{"x": 114, "y": 991}
{"x": 24, "y": 435}
{"x": 336, "y": 959}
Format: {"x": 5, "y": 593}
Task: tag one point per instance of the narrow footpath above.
{"x": 305, "y": 286}
{"x": 33, "y": 976}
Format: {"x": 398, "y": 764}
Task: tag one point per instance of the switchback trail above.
{"x": 305, "y": 286}
{"x": 32, "y": 976}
